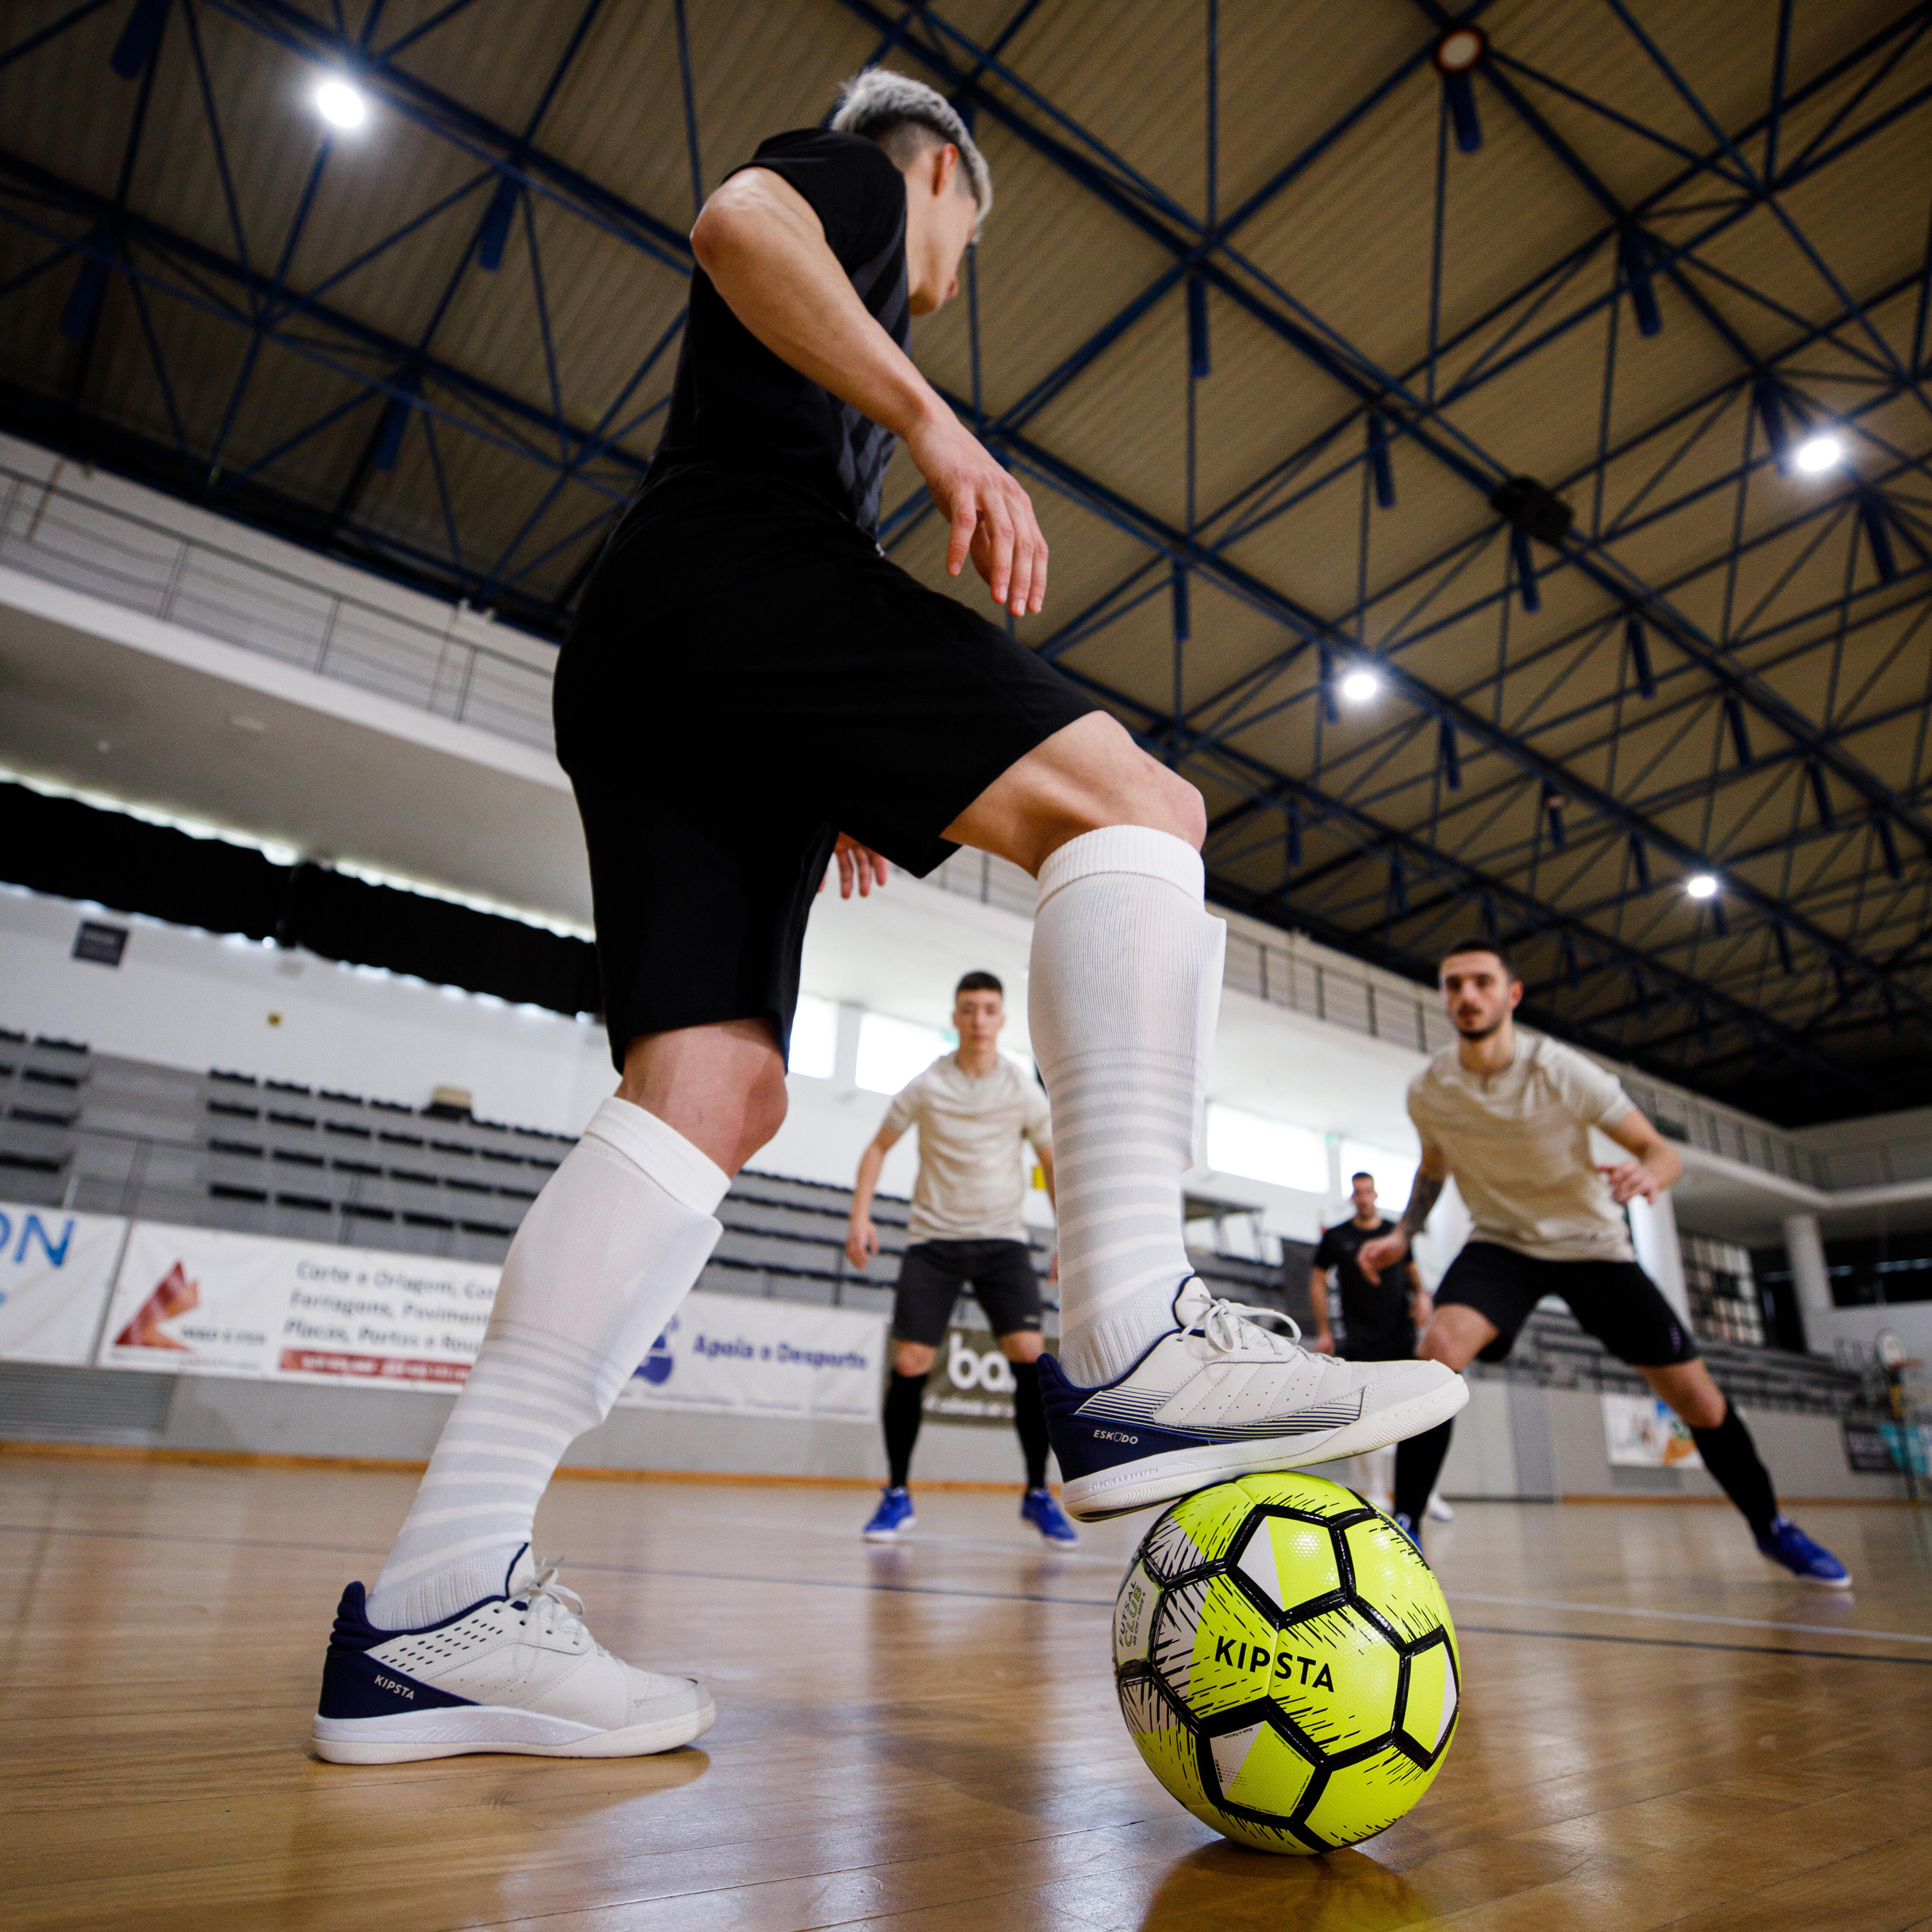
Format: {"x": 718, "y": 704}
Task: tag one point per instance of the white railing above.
{"x": 62, "y": 535}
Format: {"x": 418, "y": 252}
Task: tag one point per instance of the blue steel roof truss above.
{"x": 1382, "y": 843}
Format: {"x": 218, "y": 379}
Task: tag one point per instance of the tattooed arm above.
{"x": 1385, "y": 1250}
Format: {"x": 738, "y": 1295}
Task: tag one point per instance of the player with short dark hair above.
{"x": 1509, "y": 1114}
{"x": 1379, "y": 1317}
{"x": 972, "y": 1109}
{"x": 750, "y": 687}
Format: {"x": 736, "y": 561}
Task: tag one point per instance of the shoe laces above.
{"x": 1230, "y": 1328}
{"x": 551, "y": 1606}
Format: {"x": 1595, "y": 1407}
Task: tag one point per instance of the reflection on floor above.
{"x": 1658, "y": 1730}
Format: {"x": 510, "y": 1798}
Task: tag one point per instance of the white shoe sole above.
{"x": 1167, "y": 1477}
{"x": 458, "y": 1730}
{"x": 889, "y": 1535}
{"x": 1814, "y": 1583}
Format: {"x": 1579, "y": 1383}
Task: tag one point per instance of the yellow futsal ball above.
{"x": 1285, "y": 1663}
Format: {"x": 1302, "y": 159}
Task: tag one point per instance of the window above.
{"x": 1264, "y": 1149}
{"x": 891, "y": 1052}
{"x": 815, "y": 1038}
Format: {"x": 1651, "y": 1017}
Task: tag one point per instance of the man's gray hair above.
{"x": 877, "y": 103}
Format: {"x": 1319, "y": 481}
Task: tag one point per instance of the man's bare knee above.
{"x": 1089, "y": 776}
{"x": 913, "y": 1358}
{"x": 1455, "y": 1336}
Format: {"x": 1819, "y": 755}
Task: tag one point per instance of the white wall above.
{"x": 192, "y": 999}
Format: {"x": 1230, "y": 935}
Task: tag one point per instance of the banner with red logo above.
{"x": 204, "y": 1301}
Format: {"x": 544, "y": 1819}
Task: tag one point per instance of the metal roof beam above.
{"x": 1345, "y": 366}
{"x": 1551, "y": 774}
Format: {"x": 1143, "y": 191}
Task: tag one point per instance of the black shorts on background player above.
{"x": 931, "y": 1273}
{"x": 1615, "y": 1301}
{"x": 749, "y": 675}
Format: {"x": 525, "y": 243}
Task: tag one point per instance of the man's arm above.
{"x": 862, "y": 1238}
{"x": 1431, "y": 1175}
{"x": 1656, "y": 1167}
{"x": 1044, "y": 1156}
{"x": 765, "y": 250}
{"x": 1322, "y": 1342}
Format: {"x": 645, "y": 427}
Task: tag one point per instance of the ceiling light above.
{"x": 1460, "y": 49}
{"x": 1701, "y": 886}
{"x": 1359, "y": 686}
{"x": 340, "y": 105}
{"x": 1817, "y": 454}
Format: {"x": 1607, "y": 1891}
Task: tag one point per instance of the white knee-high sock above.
{"x": 1122, "y": 1000}
{"x": 606, "y": 1251}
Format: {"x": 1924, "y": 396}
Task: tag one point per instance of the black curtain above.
{"x": 72, "y": 850}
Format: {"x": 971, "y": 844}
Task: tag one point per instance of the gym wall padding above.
{"x": 72, "y": 850}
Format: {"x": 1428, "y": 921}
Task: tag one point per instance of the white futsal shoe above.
{"x": 1217, "y": 1397}
{"x": 518, "y": 1672}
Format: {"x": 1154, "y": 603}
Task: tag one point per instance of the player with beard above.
{"x": 1509, "y": 1113}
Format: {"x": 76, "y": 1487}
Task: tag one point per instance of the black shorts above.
{"x": 1396, "y": 1344}
{"x": 748, "y": 677}
{"x": 932, "y": 1272}
{"x": 1615, "y": 1301}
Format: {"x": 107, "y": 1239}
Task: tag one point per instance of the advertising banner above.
{"x": 204, "y": 1301}
{"x": 1642, "y": 1433}
{"x": 730, "y": 1355}
{"x": 54, "y": 1271}
{"x": 972, "y": 1381}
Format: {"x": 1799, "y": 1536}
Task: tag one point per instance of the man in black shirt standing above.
{"x": 1380, "y": 1319}
{"x": 751, "y": 687}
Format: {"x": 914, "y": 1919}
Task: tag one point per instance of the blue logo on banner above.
{"x": 658, "y": 1362}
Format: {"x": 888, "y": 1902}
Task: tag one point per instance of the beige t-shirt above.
{"x": 971, "y": 1183}
{"x": 1518, "y": 1143}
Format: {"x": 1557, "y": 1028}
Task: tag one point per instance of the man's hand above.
{"x": 1631, "y": 1181}
{"x": 1384, "y": 1251}
{"x": 1323, "y": 1344}
{"x": 992, "y": 516}
{"x": 861, "y": 1241}
{"x": 858, "y": 865}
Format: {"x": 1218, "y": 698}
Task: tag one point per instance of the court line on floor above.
{"x": 977, "y": 1596}
{"x": 1688, "y": 1643}
{"x": 1684, "y": 1616}
{"x": 1459, "y": 1596}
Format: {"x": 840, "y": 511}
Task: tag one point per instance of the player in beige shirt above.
{"x": 973, "y": 1110}
{"x": 1509, "y": 1114}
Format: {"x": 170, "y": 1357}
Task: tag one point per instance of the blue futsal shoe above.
{"x": 1038, "y": 1507}
{"x": 1786, "y": 1544}
{"x": 893, "y": 1514}
{"x": 518, "y": 1672}
{"x": 1218, "y": 1396}
{"x": 1407, "y": 1525}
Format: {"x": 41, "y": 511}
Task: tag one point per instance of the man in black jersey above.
{"x": 1379, "y": 1318}
{"x": 751, "y": 685}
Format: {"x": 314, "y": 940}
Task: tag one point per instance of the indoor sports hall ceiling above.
{"x": 1277, "y": 296}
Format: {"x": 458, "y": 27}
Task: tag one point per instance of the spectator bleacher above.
{"x": 98, "y": 1133}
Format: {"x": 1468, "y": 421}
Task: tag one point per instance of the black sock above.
{"x": 1732, "y": 1456}
{"x": 904, "y": 1395}
{"x": 1029, "y": 1420}
{"x": 1418, "y": 1462}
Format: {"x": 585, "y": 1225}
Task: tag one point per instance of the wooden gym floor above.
{"x": 1656, "y": 1730}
